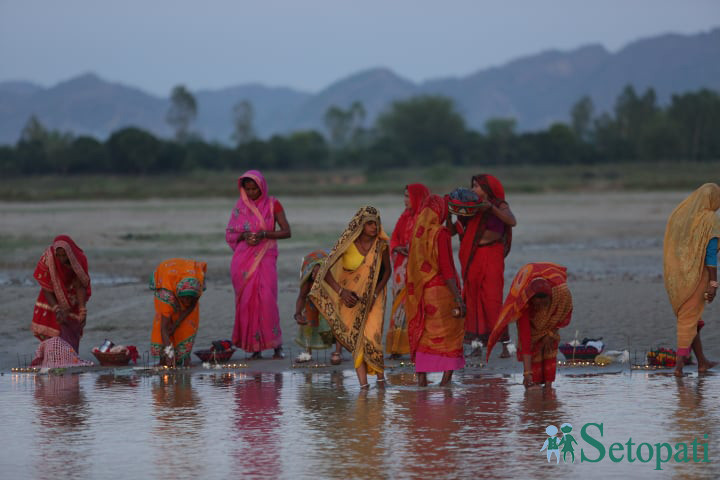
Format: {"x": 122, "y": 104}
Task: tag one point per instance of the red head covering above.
{"x": 417, "y": 192}
{"x": 494, "y": 188}
{"x": 53, "y": 275}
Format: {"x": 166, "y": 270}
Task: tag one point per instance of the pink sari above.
{"x": 254, "y": 270}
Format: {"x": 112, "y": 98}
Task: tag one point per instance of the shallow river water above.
{"x": 320, "y": 425}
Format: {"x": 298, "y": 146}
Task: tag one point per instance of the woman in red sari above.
{"x": 60, "y": 311}
{"x": 485, "y": 241}
{"x": 396, "y": 342}
{"x": 540, "y": 302}
{"x": 434, "y": 306}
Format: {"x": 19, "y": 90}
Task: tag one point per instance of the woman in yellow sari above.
{"x": 690, "y": 268}
{"x": 177, "y": 284}
{"x": 349, "y": 291}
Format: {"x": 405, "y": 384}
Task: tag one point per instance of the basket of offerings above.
{"x": 579, "y": 352}
{"x": 662, "y": 357}
{"x": 220, "y": 351}
{"x": 465, "y": 203}
{"x": 213, "y": 356}
{"x": 112, "y": 359}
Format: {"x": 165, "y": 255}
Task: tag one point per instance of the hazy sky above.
{"x": 307, "y": 44}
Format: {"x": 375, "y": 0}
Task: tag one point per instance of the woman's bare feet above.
{"x": 422, "y": 379}
{"x": 447, "y": 377}
{"x": 705, "y": 366}
{"x": 505, "y": 352}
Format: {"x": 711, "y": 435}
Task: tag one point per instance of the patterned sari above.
{"x": 317, "y": 334}
{"x": 690, "y": 227}
{"x": 397, "y": 336}
{"x": 436, "y": 336}
{"x": 254, "y": 270}
{"x": 537, "y": 330}
{"x": 483, "y": 267}
{"x": 358, "y": 329}
{"x": 63, "y": 281}
{"x": 173, "y": 280}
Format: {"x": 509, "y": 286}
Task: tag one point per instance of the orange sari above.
{"x": 537, "y": 330}
{"x": 690, "y": 227}
{"x": 173, "y": 279}
{"x": 434, "y": 333}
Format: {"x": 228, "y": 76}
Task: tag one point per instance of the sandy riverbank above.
{"x": 611, "y": 242}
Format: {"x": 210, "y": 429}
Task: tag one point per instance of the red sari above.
{"x": 397, "y": 336}
{"x": 537, "y": 330}
{"x": 483, "y": 267}
{"x": 64, "y": 281}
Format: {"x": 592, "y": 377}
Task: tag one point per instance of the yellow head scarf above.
{"x": 358, "y": 329}
{"x": 689, "y": 229}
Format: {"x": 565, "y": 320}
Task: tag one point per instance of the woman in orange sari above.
{"x": 60, "y": 310}
{"x": 349, "y": 291}
{"x": 690, "y": 268}
{"x": 177, "y": 284}
{"x": 434, "y": 305}
{"x": 485, "y": 241}
{"x": 397, "y": 336}
{"x": 540, "y": 302}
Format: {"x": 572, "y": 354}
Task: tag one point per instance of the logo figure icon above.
{"x": 551, "y": 444}
{"x": 567, "y": 441}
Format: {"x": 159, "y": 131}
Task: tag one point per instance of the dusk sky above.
{"x": 308, "y": 44}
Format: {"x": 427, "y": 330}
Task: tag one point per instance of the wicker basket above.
{"x": 465, "y": 209}
{"x": 213, "y": 356}
{"x": 108, "y": 359}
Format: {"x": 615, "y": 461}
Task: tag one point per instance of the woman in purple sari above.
{"x": 252, "y": 236}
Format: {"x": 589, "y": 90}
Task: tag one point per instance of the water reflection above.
{"x": 177, "y": 428}
{"x": 693, "y": 419}
{"x": 451, "y": 432}
{"x": 322, "y": 425}
{"x": 64, "y": 439}
{"x": 257, "y": 426}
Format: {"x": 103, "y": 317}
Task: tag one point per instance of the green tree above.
{"x": 581, "y": 116}
{"x": 343, "y": 125}
{"x": 53, "y": 143}
{"x": 697, "y": 116}
{"x": 243, "y": 116}
{"x": 86, "y": 154}
{"x": 133, "y": 150}
{"x": 501, "y": 138}
{"x": 182, "y": 112}
{"x": 423, "y": 130}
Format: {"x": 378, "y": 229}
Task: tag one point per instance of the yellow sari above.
{"x": 358, "y": 329}
{"x": 690, "y": 227}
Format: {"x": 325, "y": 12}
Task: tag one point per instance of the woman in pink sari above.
{"x": 252, "y": 236}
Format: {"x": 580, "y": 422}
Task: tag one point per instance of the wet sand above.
{"x": 611, "y": 242}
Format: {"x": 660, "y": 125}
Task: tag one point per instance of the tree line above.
{"x": 420, "y": 131}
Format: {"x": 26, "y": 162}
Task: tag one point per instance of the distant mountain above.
{"x": 537, "y": 90}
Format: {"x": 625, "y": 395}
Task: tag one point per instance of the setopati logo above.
{"x": 562, "y": 445}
